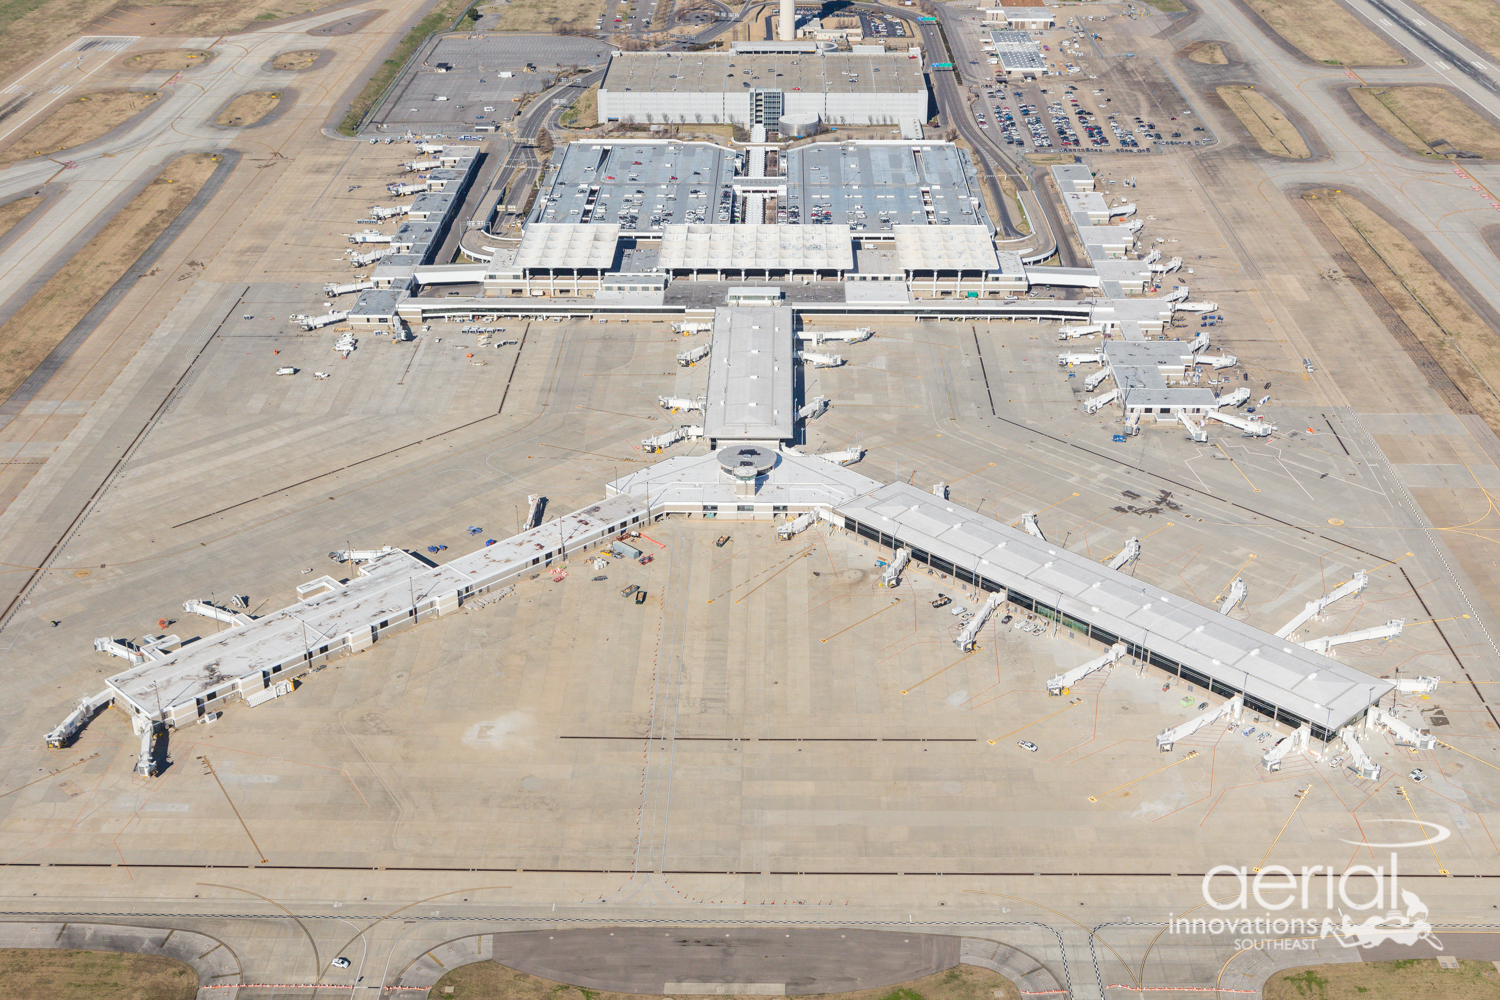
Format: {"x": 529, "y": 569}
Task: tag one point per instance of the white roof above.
{"x": 797, "y": 481}
{"x": 568, "y": 244}
{"x": 388, "y": 587}
{"x": 945, "y": 248}
{"x": 728, "y": 246}
{"x": 1239, "y": 656}
{"x": 749, "y": 394}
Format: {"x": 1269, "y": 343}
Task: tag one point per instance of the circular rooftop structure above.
{"x": 746, "y": 461}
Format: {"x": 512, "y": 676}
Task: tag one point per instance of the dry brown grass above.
{"x": 1409, "y": 977}
{"x": 584, "y": 112}
{"x": 300, "y": 59}
{"x": 1447, "y": 326}
{"x": 1208, "y": 53}
{"x": 78, "y": 121}
{"x": 166, "y": 59}
{"x": 491, "y": 981}
{"x": 1326, "y": 32}
{"x": 37, "y": 327}
{"x": 63, "y": 974}
{"x": 548, "y": 15}
{"x": 1429, "y": 120}
{"x": 247, "y": 109}
{"x": 1264, "y": 121}
{"x": 36, "y": 29}
{"x": 13, "y": 212}
{"x": 1478, "y": 20}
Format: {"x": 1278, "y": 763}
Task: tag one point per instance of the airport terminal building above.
{"x": 758, "y": 89}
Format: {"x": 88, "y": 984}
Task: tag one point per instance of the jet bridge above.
{"x": 1092, "y": 406}
{"x": 1060, "y": 684}
{"x": 1251, "y": 427}
{"x": 1130, "y": 553}
{"x": 85, "y": 710}
{"x": 848, "y": 456}
{"x": 1377, "y": 716}
{"x": 1359, "y": 761}
{"x": 216, "y": 613}
{"x": 1032, "y": 526}
{"x": 1298, "y": 742}
{"x": 1352, "y": 587}
{"x": 970, "y": 632}
{"x": 1233, "y": 709}
{"x": 1095, "y": 380}
{"x": 1237, "y": 591}
{"x": 1388, "y": 630}
{"x": 1418, "y": 685}
{"x": 892, "y": 575}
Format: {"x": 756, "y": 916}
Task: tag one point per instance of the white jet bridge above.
{"x": 1032, "y": 526}
{"x": 847, "y": 456}
{"x": 892, "y": 575}
{"x": 820, "y": 360}
{"x": 1059, "y": 684}
{"x": 1352, "y": 587}
{"x": 679, "y": 403}
{"x": 841, "y": 336}
{"x": 693, "y": 355}
{"x": 1377, "y": 716}
{"x": 815, "y": 408}
{"x": 1300, "y": 741}
{"x": 665, "y": 440}
{"x": 1233, "y": 709}
{"x": 1387, "y": 630}
{"x": 1130, "y": 553}
{"x": 1359, "y": 761}
{"x": 333, "y": 290}
{"x": 1237, "y": 591}
{"x": 1251, "y": 426}
{"x": 970, "y": 632}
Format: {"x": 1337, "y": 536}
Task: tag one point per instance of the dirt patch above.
{"x": 63, "y": 974}
{"x": 76, "y": 122}
{"x": 1264, "y": 121}
{"x": 1432, "y": 121}
{"x": 1208, "y": 53}
{"x": 1410, "y": 977}
{"x": 37, "y": 327}
{"x": 248, "y": 109}
{"x": 295, "y": 61}
{"x": 492, "y": 981}
{"x": 164, "y": 60}
{"x": 1325, "y": 32}
{"x": 1445, "y": 326}
{"x": 13, "y": 212}
{"x": 348, "y": 26}
{"x": 139, "y": 21}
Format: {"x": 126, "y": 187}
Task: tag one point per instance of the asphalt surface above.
{"x": 661, "y": 960}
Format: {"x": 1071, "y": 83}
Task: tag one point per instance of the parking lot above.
{"x": 468, "y": 82}
{"x": 1055, "y": 115}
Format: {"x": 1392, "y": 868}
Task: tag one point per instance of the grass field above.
{"x": 37, "y": 327}
{"x": 1478, "y": 20}
{"x": 1429, "y": 120}
{"x": 1447, "y": 326}
{"x": 1410, "y": 977}
{"x": 437, "y": 19}
{"x": 490, "y": 981}
{"x": 1265, "y": 122}
{"x": 549, "y": 15}
{"x": 300, "y": 59}
{"x": 59, "y": 974}
{"x": 1208, "y": 53}
{"x": 167, "y": 59}
{"x": 36, "y": 29}
{"x": 1326, "y": 32}
{"x": 247, "y": 109}
{"x": 13, "y": 212}
{"x": 584, "y": 112}
{"x": 76, "y": 122}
